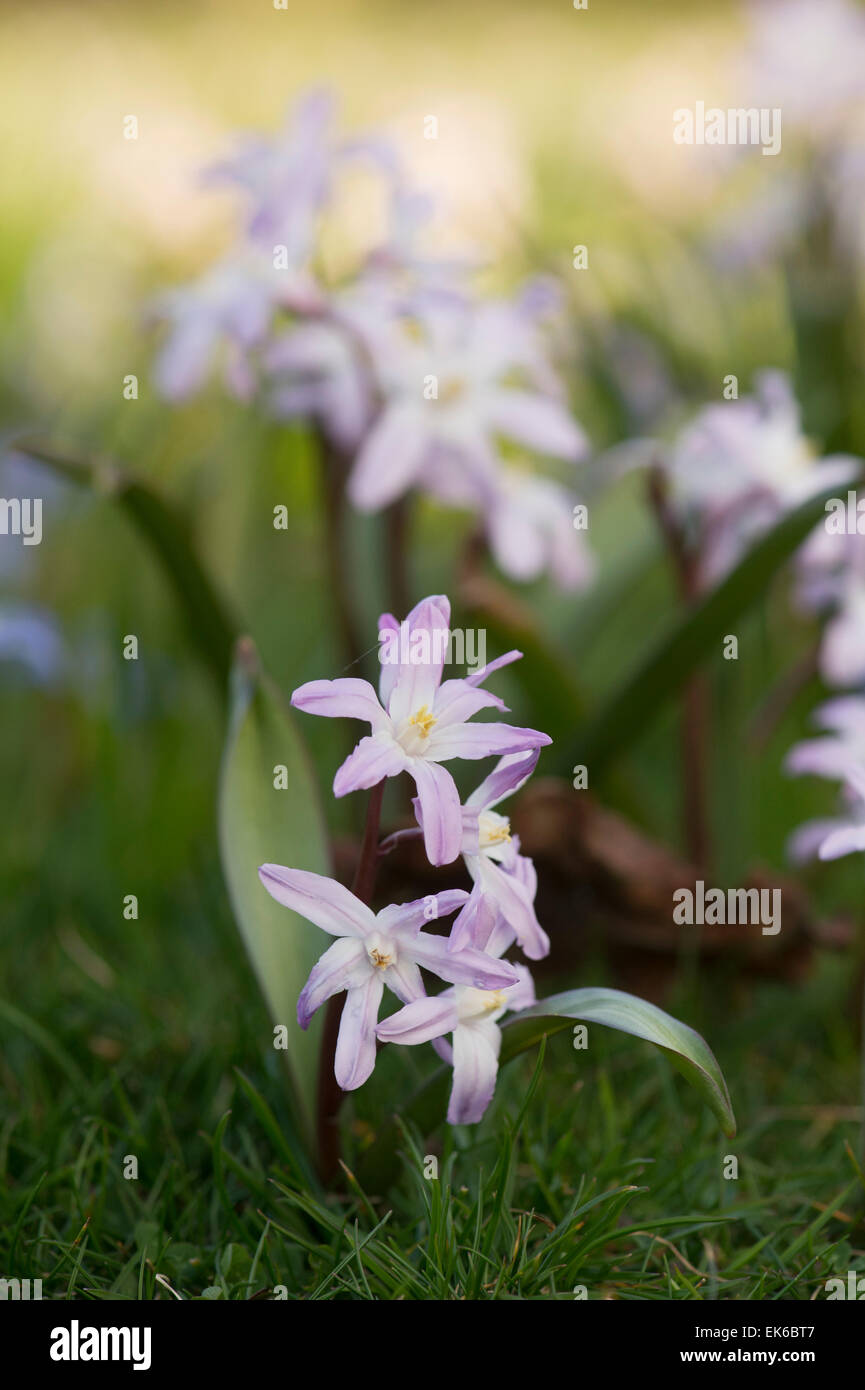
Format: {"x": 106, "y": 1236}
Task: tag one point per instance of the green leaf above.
{"x": 688, "y": 1052}
{"x": 211, "y": 627}
{"x": 693, "y": 637}
{"x": 260, "y": 824}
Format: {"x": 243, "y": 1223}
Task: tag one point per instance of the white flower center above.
{"x": 494, "y": 833}
{"x": 380, "y": 950}
{"x": 478, "y": 1003}
{"x": 416, "y": 730}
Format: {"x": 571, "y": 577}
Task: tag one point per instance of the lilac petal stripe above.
{"x": 482, "y": 740}
{"x": 347, "y": 698}
{"x": 442, "y": 817}
{"x": 355, "y": 1045}
{"x": 344, "y": 964}
{"x": 376, "y": 756}
{"x": 506, "y": 778}
{"x": 476, "y": 1065}
{"x": 420, "y": 1022}
{"x": 320, "y": 900}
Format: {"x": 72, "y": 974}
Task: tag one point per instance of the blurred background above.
{"x": 554, "y": 130}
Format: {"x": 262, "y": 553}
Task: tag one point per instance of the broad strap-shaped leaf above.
{"x": 695, "y": 635}
{"x": 685, "y": 1048}
{"x": 613, "y": 1008}
{"x": 260, "y": 823}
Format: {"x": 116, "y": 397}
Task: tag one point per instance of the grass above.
{"x": 597, "y": 1169}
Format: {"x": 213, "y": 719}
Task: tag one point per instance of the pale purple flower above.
{"x": 449, "y": 395}
{"x": 742, "y": 464}
{"x": 288, "y": 178}
{"x": 501, "y": 905}
{"x": 844, "y": 720}
{"x": 373, "y": 950}
{"x": 418, "y": 721}
{"x": 832, "y": 581}
{"x": 831, "y": 756}
{"x": 530, "y": 523}
{"x": 471, "y": 1015}
{"x": 849, "y": 835}
{"x": 227, "y": 312}
{"x": 807, "y": 59}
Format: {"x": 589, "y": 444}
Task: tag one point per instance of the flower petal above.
{"x": 476, "y": 1065}
{"x": 343, "y": 965}
{"x": 410, "y": 917}
{"x": 507, "y": 776}
{"x": 440, "y": 809}
{"x": 320, "y": 900}
{"x": 515, "y": 905}
{"x": 346, "y": 698}
{"x": 539, "y": 422}
{"x": 377, "y": 756}
{"x": 482, "y": 740}
{"x": 420, "y": 1021}
{"x": 466, "y": 967}
{"x": 422, "y": 649}
{"x": 390, "y": 459}
{"x": 841, "y": 842}
{"x": 355, "y": 1045}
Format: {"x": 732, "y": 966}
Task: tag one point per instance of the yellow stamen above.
{"x": 379, "y": 959}
{"x": 423, "y": 721}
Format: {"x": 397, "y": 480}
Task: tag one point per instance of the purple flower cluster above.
{"x": 418, "y": 723}
{"x": 413, "y": 380}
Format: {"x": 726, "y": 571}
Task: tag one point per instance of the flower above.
{"x": 373, "y": 950}
{"x": 831, "y": 570}
{"x": 471, "y": 1015}
{"x": 849, "y": 835}
{"x": 741, "y": 465}
{"x": 448, "y": 394}
{"x": 502, "y": 899}
{"x": 831, "y": 756}
{"x": 418, "y": 722}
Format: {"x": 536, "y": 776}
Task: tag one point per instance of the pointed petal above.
{"x": 410, "y": 917}
{"x": 440, "y": 807}
{"x": 457, "y": 701}
{"x": 538, "y": 422}
{"x": 342, "y": 699}
{"x": 377, "y": 756}
{"x": 466, "y": 967}
{"x": 482, "y": 740}
{"x": 476, "y": 1065}
{"x": 516, "y": 908}
{"x": 355, "y": 1045}
{"x": 320, "y": 900}
{"x": 474, "y": 926}
{"x": 846, "y": 841}
{"x": 420, "y": 1022}
{"x": 423, "y": 644}
{"x": 506, "y": 777}
{"x": 478, "y": 677}
{"x": 343, "y": 965}
{"x": 389, "y": 461}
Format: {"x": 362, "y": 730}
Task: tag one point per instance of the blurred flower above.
{"x": 471, "y": 1015}
{"x": 848, "y": 835}
{"x": 418, "y": 722}
{"x": 447, "y": 396}
{"x": 808, "y": 59}
{"x": 831, "y": 757}
{"x": 372, "y": 950}
{"x": 741, "y": 465}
